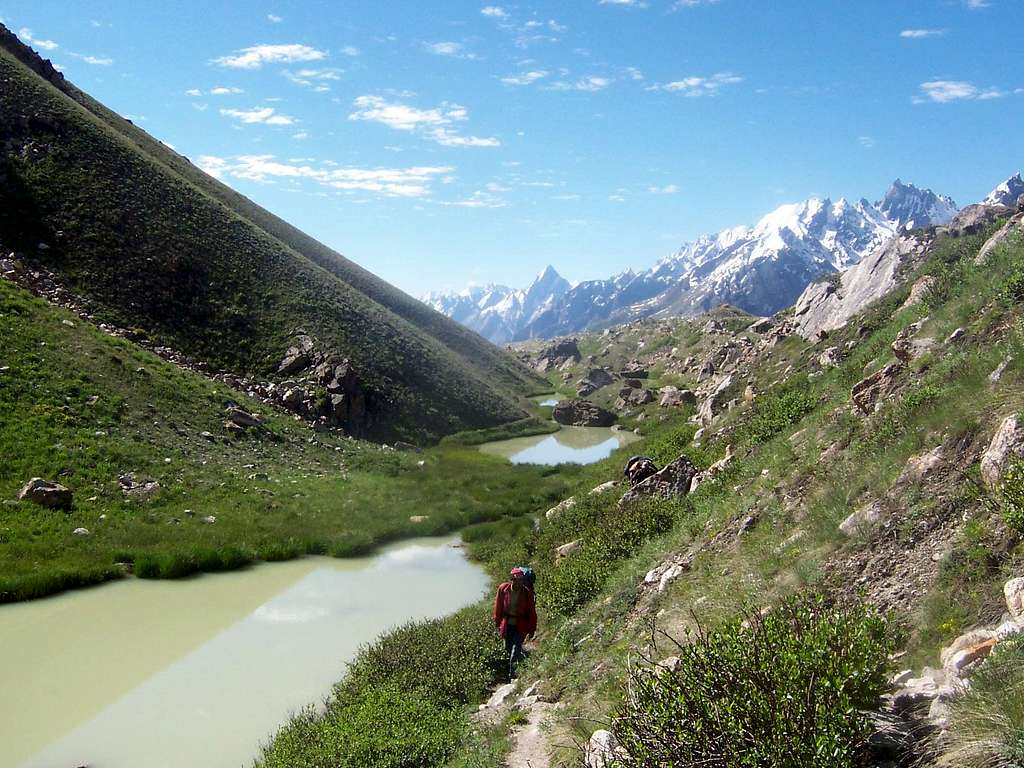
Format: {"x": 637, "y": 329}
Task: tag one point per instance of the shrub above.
{"x": 1011, "y": 491}
{"x": 776, "y": 411}
{"x": 787, "y": 689}
{"x": 986, "y": 728}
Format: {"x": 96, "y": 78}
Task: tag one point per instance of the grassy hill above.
{"x": 156, "y": 244}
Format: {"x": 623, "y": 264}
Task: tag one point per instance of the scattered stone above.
{"x": 582, "y": 413}
{"x": 869, "y": 393}
{"x": 920, "y": 466}
{"x": 919, "y": 290}
{"x": 602, "y": 750}
{"x": 46, "y": 493}
{"x": 135, "y": 488}
{"x": 907, "y": 348}
{"x": 566, "y": 550}
{"x": 761, "y": 326}
{"x": 562, "y": 506}
{"x": 829, "y": 358}
{"x": 500, "y": 696}
{"x": 673, "y": 572}
{"x": 997, "y": 374}
{"x": 862, "y": 520}
{"x": 1007, "y": 443}
{"x": 673, "y": 480}
{"x": 557, "y": 355}
{"x": 956, "y": 336}
{"x": 602, "y": 488}
{"x": 966, "y": 642}
{"x": 1013, "y": 591}
{"x": 243, "y": 419}
{"x": 81, "y": 532}
{"x": 209, "y": 519}
{"x": 671, "y": 397}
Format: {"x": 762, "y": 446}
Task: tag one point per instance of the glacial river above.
{"x": 200, "y": 672}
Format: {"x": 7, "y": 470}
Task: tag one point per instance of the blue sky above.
{"x": 446, "y": 143}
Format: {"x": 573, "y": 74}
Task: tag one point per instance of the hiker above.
{"x": 515, "y": 615}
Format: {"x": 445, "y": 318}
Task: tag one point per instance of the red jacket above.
{"x": 526, "y": 615}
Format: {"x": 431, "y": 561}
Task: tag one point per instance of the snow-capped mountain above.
{"x": 498, "y": 312}
{"x": 760, "y": 269}
{"x": 1006, "y": 193}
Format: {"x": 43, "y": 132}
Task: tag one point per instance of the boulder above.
{"x": 46, "y": 493}
{"x": 243, "y": 419}
{"x": 597, "y": 378}
{"x": 567, "y": 550}
{"x": 633, "y": 384}
{"x": 634, "y": 373}
{"x": 582, "y": 413}
{"x": 298, "y": 357}
{"x": 561, "y": 507}
{"x": 671, "y": 481}
{"x": 639, "y": 397}
{"x": 294, "y": 397}
{"x": 919, "y": 466}
{"x": 602, "y": 750}
{"x": 713, "y": 405}
{"x": 639, "y": 468}
{"x": 1007, "y": 443}
{"x": 919, "y": 290}
{"x": 713, "y": 471}
{"x": 967, "y": 648}
{"x": 974, "y": 218}
{"x": 1013, "y": 591}
{"x": 677, "y": 398}
{"x": 868, "y": 393}
{"x": 602, "y": 488}
{"x": 907, "y": 347}
{"x": 862, "y": 520}
{"x": 829, "y": 358}
{"x": 761, "y": 326}
{"x": 557, "y": 355}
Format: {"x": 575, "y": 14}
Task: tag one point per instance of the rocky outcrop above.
{"x": 671, "y": 481}
{"x": 908, "y": 347}
{"x": 1007, "y": 443}
{"x": 582, "y": 413}
{"x": 974, "y": 218}
{"x": 594, "y": 379}
{"x": 714, "y": 404}
{"x": 1015, "y": 226}
{"x": 827, "y": 305}
{"x": 46, "y": 493}
{"x": 298, "y": 357}
{"x": 671, "y": 397}
{"x": 560, "y": 507}
{"x": 137, "y": 488}
{"x": 919, "y": 290}
{"x": 869, "y": 393}
{"x": 557, "y": 355}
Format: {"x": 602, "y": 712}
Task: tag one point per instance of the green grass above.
{"x": 82, "y": 408}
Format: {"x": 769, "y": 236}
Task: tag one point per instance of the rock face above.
{"x": 46, "y": 494}
{"x": 582, "y": 413}
{"x": 558, "y": 355}
{"x": 827, "y": 305}
{"x": 869, "y": 393}
{"x": 1014, "y": 226}
{"x": 674, "y": 480}
{"x": 1007, "y": 193}
{"x": 713, "y": 405}
{"x": 593, "y": 381}
{"x": 1007, "y": 443}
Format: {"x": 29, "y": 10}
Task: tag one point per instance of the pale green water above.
{"x": 575, "y": 445}
{"x": 197, "y": 673}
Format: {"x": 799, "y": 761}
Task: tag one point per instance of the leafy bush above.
{"x": 776, "y": 411}
{"x": 786, "y": 689}
{"x": 1011, "y": 491}
{"x": 986, "y": 728}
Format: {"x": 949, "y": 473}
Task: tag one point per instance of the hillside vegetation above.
{"x": 153, "y": 243}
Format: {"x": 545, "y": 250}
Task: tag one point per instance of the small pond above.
{"x": 572, "y": 445}
{"x": 165, "y": 674}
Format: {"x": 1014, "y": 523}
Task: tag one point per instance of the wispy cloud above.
{"x": 691, "y": 3}
{"x": 46, "y": 45}
{"x": 449, "y": 48}
{"x": 868, "y": 142}
{"x": 260, "y": 115}
{"x": 349, "y": 50}
{"x": 256, "y": 56}
{"x": 223, "y": 90}
{"x": 494, "y": 11}
{"x": 435, "y": 123}
{"x": 479, "y": 199}
{"x": 699, "y": 86}
{"x": 388, "y": 182}
{"x": 526, "y": 78}
{"x": 976, "y": 4}
{"x": 315, "y": 78}
{"x": 97, "y": 61}
{"x": 943, "y": 91}
{"x": 668, "y": 189}
{"x": 920, "y": 34}
{"x": 590, "y": 84}
{"x": 624, "y": 3}
{"x": 274, "y": 19}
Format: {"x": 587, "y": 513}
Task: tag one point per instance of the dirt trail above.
{"x": 530, "y": 748}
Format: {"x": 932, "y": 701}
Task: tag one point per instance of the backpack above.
{"x": 529, "y": 576}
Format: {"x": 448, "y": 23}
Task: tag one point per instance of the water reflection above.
{"x": 573, "y": 445}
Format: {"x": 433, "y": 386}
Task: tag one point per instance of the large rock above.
{"x": 671, "y": 481}
{"x": 346, "y": 405}
{"x": 558, "y": 354}
{"x": 596, "y": 378}
{"x": 862, "y": 520}
{"x": 298, "y": 357}
{"x": 1014, "y": 226}
{"x": 714, "y": 404}
{"x": 828, "y": 305}
{"x": 1007, "y": 444}
{"x": 582, "y": 413}
{"x": 919, "y": 290}
{"x": 46, "y": 494}
{"x": 602, "y": 750}
{"x": 869, "y": 393}
{"x": 671, "y": 397}
{"x": 1013, "y": 591}
{"x": 974, "y": 218}
{"x": 908, "y": 347}
{"x": 559, "y": 508}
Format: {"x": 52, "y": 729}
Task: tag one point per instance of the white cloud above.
{"x": 668, "y": 189}
{"x": 256, "y": 56}
{"x": 349, "y": 50}
{"x": 388, "y": 182}
{"x": 301, "y": 135}
{"x": 494, "y": 11}
{"x": 479, "y": 199}
{"x": 943, "y": 91}
{"x": 699, "y": 86}
{"x": 920, "y": 34}
{"x": 526, "y": 78}
{"x": 99, "y": 61}
{"x": 976, "y": 4}
{"x": 434, "y": 122}
{"x": 274, "y": 19}
{"x": 314, "y": 78}
{"x": 193, "y": 92}
{"x": 691, "y": 3}
{"x": 868, "y": 142}
{"x": 633, "y": 73}
{"x": 625, "y": 3}
{"x": 258, "y": 115}
{"x": 589, "y": 84}
{"x": 222, "y": 90}
{"x": 448, "y": 48}
{"x": 616, "y": 198}
{"x": 26, "y": 35}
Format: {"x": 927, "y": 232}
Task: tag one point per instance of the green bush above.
{"x": 1011, "y": 491}
{"x": 787, "y": 689}
{"x": 775, "y": 411}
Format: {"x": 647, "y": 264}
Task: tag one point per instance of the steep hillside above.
{"x": 154, "y": 243}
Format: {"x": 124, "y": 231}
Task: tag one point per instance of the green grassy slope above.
{"x": 81, "y": 407}
{"x": 157, "y": 244}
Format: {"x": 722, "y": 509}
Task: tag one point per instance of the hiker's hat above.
{"x": 516, "y": 572}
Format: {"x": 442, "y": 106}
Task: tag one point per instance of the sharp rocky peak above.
{"x": 1006, "y": 193}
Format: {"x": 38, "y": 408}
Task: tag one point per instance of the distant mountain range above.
{"x": 760, "y": 269}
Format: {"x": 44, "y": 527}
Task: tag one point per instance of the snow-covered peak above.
{"x": 909, "y": 207}
{"x": 1006, "y": 193}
